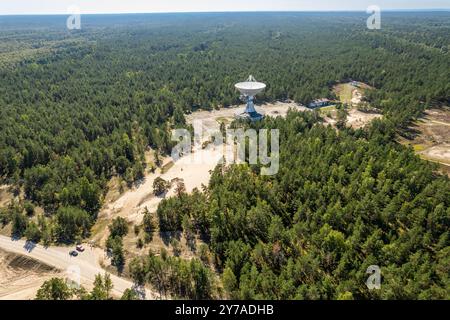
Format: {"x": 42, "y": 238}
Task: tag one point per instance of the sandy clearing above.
{"x": 133, "y": 202}
{"x": 352, "y": 96}
{"x": 439, "y": 153}
{"x": 355, "y": 118}
{"x": 430, "y": 137}
{"x": 358, "y": 119}
{"x": 210, "y": 118}
{"x": 344, "y": 92}
{"x": 329, "y": 121}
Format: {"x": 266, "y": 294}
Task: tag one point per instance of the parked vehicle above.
{"x": 80, "y": 248}
{"x": 73, "y": 253}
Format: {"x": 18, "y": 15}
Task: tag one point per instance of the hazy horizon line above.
{"x": 230, "y": 11}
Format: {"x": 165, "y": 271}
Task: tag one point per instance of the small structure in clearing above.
{"x": 319, "y": 103}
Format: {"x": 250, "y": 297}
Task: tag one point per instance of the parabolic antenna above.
{"x": 249, "y": 89}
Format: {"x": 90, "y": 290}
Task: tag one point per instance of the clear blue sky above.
{"x": 127, "y": 6}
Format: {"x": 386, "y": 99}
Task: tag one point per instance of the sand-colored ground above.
{"x": 352, "y": 96}
{"x": 5, "y": 195}
{"x": 21, "y": 276}
{"x": 356, "y": 97}
{"x": 355, "y": 118}
{"x": 133, "y": 203}
{"x": 358, "y": 119}
{"x": 211, "y": 118}
{"x": 344, "y": 92}
{"x": 431, "y": 136}
{"x": 440, "y": 153}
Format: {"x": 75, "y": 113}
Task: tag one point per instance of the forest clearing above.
{"x": 430, "y": 137}
{"x": 350, "y": 96}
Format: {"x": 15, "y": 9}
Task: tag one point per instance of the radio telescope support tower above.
{"x": 249, "y": 89}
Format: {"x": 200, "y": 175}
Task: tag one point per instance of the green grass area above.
{"x": 327, "y": 111}
{"x": 344, "y": 92}
{"x": 419, "y": 147}
{"x": 327, "y": 108}
{"x": 167, "y": 167}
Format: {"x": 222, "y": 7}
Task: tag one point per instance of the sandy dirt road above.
{"x": 58, "y": 257}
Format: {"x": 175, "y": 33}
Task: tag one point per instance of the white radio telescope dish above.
{"x": 249, "y": 89}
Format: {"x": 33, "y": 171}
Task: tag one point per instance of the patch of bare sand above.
{"x": 329, "y": 121}
{"x": 210, "y": 118}
{"x": 5, "y": 195}
{"x": 21, "y": 276}
{"x": 356, "y": 97}
{"x": 440, "y": 115}
{"x": 358, "y": 119}
{"x": 440, "y": 152}
{"x": 159, "y": 241}
{"x": 430, "y": 137}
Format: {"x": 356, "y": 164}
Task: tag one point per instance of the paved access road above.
{"x": 58, "y": 257}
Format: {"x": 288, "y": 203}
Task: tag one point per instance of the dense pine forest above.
{"x": 340, "y": 203}
{"x": 80, "y": 107}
